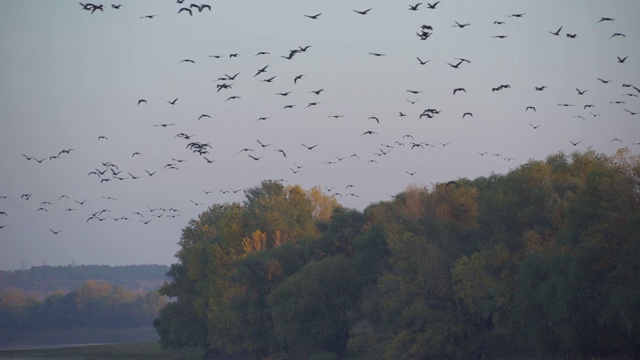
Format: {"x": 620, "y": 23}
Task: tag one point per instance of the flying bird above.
{"x": 422, "y": 62}
{"x": 557, "y": 32}
{"x": 314, "y": 17}
{"x": 433, "y": 6}
{"x": 461, "y": 26}
{"x": 581, "y": 92}
{"x": 363, "y": 12}
{"x": 622, "y": 60}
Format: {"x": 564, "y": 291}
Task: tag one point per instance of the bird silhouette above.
{"x": 581, "y": 92}
{"x": 185, "y": 9}
{"x": 467, "y": 113}
{"x": 363, "y": 12}
{"x": 605, "y": 19}
{"x": 557, "y": 32}
{"x": 314, "y": 17}
{"x": 172, "y": 102}
{"x": 55, "y": 232}
{"x": 102, "y": 137}
{"x": 422, "y": 62}
{"x": 622, "y": 60}
{"x": 461, "y": 26}
{"x": 260, "y": 71}
{"x": 618, "y": 34}
{"x": 433, "y": 6}
{"x": 414, "y": 7}
{"x": 188, "y": 61}
{"x": 540, "y": 88}
{"x": 572, "y": 36}
{"x": 458, "y": 89}
{"x": 310, "y": 147}
{"x": 530, "y": 107}
{"x": 535, "y": 126}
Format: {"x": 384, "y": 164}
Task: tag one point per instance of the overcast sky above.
{"x": 68, "y": 77}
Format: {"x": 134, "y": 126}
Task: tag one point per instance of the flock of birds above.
{"x": 227, "y": 89}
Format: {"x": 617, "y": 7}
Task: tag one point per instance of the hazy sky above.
{"x": 68, "y": 76}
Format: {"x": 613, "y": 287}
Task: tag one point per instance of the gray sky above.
{"x": 68, "y": 76}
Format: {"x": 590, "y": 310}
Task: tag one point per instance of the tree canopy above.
{"x": 541, "y": 260}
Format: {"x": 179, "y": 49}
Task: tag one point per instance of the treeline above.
{"x": 95, "y": 304}
{"x": 48, "y": 279}
{"x": 541, "y": 261}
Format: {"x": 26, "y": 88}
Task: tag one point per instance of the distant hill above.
{"x": 45, "y": 279}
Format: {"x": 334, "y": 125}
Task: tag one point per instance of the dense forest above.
{"x": 542, "y": 261}
{"x": 45, "y": 280}
{"x": 94, "y": 304}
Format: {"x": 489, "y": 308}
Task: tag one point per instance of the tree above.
{"x": 310, "y": 309}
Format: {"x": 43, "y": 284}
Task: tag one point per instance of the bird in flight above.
{"x": 572, "y": 36}
{"x": 461, "y": 26}
{"x": 314, "y": 17}
{"x": 556, "y": 33}
{"x": 369, "y": 132}
{"x": 310, "y": 147}
{"x": 422, "y": 62}
{"x": 203, "y": 116}
{"x": 414, "y": 7}
{"x": 605, "y": 19}
{"x": 622, "y": 60}
{"x": 102, "y": 137}
{"x": 500, "y": 36}
{"x": 363, "y": 12}
{"x": 55, "y": 232}
{"x": 517, "y": 15}
{"x": 142, "y": 101}
{"x": 467, "y": 113}
{"x": 535, "y": 126}
{"x": 458, "y": 89}
{"x": 188, "y": 60}
{"x": 148, "y": 16}
{"x": 172, "y": 102}
{"x": 317, "y": 92}
{"x": 540, "y": 88}
{"x": 260, "y": 71}
{"x": 433, "y": 6}
{"x": 574, "y": 143}
{"x": 581, "y": 92}
{"x": 185, "y": 9}
{"x": 530, "y": 107}
{"x": 618, "y": 34}
{"x": 261, "y": 144}
{"x": 376, "y": 54}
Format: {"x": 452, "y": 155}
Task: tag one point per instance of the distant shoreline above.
{"x": 35, "y": 339}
